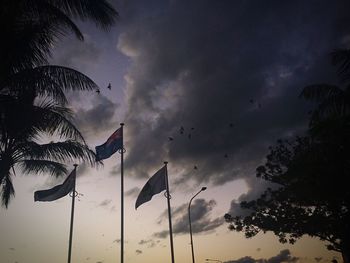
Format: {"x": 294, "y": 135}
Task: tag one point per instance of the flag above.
{"x": 58, "y": 191}
{"x": 154, "y": 185}
{"x": 113, "y": 144}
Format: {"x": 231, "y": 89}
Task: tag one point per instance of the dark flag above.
{"x": 58, "y": 191}
{"x": 154, "y": 185}
{"x": 113, "y": 144}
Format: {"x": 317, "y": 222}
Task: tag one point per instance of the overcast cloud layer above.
{"x": 229, "y": 74}
{"x": 213, "y": 83}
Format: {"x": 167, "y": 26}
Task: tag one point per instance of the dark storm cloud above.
{"x": 90, "y": 121}
{"x": 222, "y": 82}
{"x": 232, "y": 72}
{"x": 283, "y": 256}
{"x": 200, "y": 218}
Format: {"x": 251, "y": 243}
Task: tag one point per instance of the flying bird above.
{"x": 182, "y": 130}
{"x": 109, "y": 86}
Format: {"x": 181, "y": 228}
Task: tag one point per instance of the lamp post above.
{"x": 208, "y": 259}
{"x": 189, "y": 219}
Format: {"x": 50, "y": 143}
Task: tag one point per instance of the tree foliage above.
{"x": 309, "y": 175}
{"x": 33, "y": 102}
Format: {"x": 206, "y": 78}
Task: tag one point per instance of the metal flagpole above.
{"x": 122, "y": 198}
{"x": 72, "y": 217}
{"x": 169, "y": 213}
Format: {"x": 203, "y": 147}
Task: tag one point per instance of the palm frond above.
{"x": 64, "y": 77}
{"x": 43, "y": 167}
{"x": 7, "y": 191}
{"x": 53, "y": 119}
{"x": 341, "y": 59}
{"x": 101, "y": 12}
{"x": 67, "y": 151}
{"x": 319, "y": 92}
{"x": 337, "y": 105}
{"x": 49, "y": 81}
{"x": 32, "y": 27}
{"x": 38, "y": 39}
{"x": 53, "y": 15}
{"x": 23, "y": 122}
{"x": 32, "y": 81}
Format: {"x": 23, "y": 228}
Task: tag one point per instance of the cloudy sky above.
{"x": 221, "y": 79}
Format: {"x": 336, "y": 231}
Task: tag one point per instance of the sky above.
{"x": 222, "y": 80}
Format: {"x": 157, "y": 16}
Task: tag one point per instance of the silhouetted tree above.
{"x": 310, "y": 193}
{"x": 32, "y": 98}
{"x": 31, "y": 27}
{"x": 22, "y": 125}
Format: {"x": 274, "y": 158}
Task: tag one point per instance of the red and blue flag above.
{"x": 113, "y": 144}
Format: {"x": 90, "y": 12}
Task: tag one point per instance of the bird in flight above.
{"x": 182, "y": 130}
{"x": 109, "y": 86}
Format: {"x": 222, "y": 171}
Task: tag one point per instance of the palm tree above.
{"x": 330, "y": 125}
{"x": 20, "y": 132}
{"x": 333, "y": 100}
{"x": 32, "y": 27}
{"x": 333, "y": 107}
{"x": 32, "y": 99}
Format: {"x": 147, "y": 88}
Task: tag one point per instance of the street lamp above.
{"x": 208, "y": 259}
{"x": 189, "y": 219}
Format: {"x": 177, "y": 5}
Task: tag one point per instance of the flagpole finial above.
{"x": 75, "y": 165}
{"x": 165, "y": 162}
{"x": 122, "y": 124}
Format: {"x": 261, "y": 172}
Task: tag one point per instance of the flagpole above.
{"x": 169, "y": 213}
{"x": 122, "y": 198}
{"x": 72, "y": 219}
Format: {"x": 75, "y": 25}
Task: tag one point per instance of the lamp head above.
{"x": 204, "y": 188}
